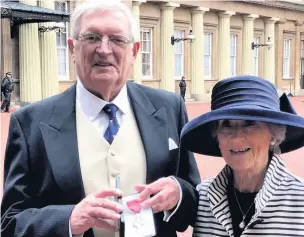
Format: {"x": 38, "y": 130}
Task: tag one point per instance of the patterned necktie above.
{"x": 110, "y": 133}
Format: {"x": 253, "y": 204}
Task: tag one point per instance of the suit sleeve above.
{"x": 188, "y": 177}
{"x": 23, "y": 214}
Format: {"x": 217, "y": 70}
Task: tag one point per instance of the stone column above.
{"x": 269, "y": 65}
{"x": 297, "y": 74}
{"x": 224, "y": 44}
{"x": 29, "y": 56}
{"x": 137, "y": 73}
{"x": 167, "y": 50}
{"x": 49, "y": 66}
{"x": 248, "y": 38}
{"x": 6, "y": 47}
{"x": 197, "y": 47}
{"x": 279, "y": 50}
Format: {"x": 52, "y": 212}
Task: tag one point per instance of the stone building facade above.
{"x": 225, "y": 32}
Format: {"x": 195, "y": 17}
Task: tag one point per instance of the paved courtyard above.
{"x": 208, "y": 166}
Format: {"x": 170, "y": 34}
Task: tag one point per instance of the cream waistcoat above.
{"x": 100, "y": 162}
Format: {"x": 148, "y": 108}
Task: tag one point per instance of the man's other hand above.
{"x": 165, "y": 194}
{"x": 96, "y": 210}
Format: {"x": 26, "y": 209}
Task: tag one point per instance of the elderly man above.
{"x": 64, "y": 153}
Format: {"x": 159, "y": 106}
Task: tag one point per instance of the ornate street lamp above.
{"x": 57, "y": 27}
{"x": 268, "y": 44}
{"x": 190, "y": 38}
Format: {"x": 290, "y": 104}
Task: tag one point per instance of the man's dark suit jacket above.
{"x": 42, "y": 172}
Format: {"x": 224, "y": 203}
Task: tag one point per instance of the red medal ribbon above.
{"x": 134, "y": 206}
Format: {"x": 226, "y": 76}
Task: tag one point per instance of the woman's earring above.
{"x": 272, "y": 143}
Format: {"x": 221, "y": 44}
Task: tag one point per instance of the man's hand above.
{"x": 95, "y": 211}
{"x": 166, "y": 194}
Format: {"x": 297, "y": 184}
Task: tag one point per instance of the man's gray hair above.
{"x": 93, "y": 5}
{"x": 278, "y": 133}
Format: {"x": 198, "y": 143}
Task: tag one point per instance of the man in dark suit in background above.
{"x": 61, "y": 157}
{"x": 182, "y": 87}
{"x": 7, "y": 88}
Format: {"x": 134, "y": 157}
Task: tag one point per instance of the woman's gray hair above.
{"x": 278, "y": 133}
{"x": 93, "y": 5}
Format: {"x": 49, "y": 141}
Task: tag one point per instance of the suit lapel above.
{"x": 60, "y": 141}
{"x": 152, "y": 125}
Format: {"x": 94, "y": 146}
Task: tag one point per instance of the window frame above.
{"x": 235, "y": 54}
{"x": 67, "y": 64}
{"x": 149, "y": 77}
{"x": 210, "y": 36}
{"x": 286, "y": 59}
{"x": 182, "y": 46}
{"x": 213, "y": 29}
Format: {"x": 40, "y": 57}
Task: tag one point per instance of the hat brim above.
{"x": 196, "y": 134}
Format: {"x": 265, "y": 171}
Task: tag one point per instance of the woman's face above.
{"x": 244, "y": 144}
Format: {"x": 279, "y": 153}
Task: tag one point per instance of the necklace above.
{"x": 242, "y": 224}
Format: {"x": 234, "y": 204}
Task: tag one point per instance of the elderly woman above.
{"x": 254, "y": 194}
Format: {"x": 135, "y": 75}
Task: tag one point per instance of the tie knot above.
{"x": 110, "y": 110}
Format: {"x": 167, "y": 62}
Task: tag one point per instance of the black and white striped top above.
{"x": 279, "y": 205}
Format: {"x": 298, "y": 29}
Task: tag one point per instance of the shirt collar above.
{"x": 91, "y": 105}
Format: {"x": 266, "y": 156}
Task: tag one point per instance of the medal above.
{"x": 139, "y": 222}
{"x": 135, "y": 207}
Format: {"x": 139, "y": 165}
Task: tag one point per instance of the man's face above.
{"x": 103, "y": 68}
{"x": 9, "y": 76}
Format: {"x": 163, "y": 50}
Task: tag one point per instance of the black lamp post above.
{"x": 57, "y": 27}
{"x": 190, "y": 38}
{"x": 267, "y": 44}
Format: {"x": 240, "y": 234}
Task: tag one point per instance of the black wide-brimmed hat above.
{"x": 244, "y": 98}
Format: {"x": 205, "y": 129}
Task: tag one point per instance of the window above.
{"x": 207, "y": 54}
{"x": 256, "y": 58}
{"x": 286, "y": 58}
{"x": 146, "y": 51}
{"x": 62, "y": 49}
{"x": 233, "y": 39}
{"x": 302, "y": 64}
{"x": 179, "y": 54}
